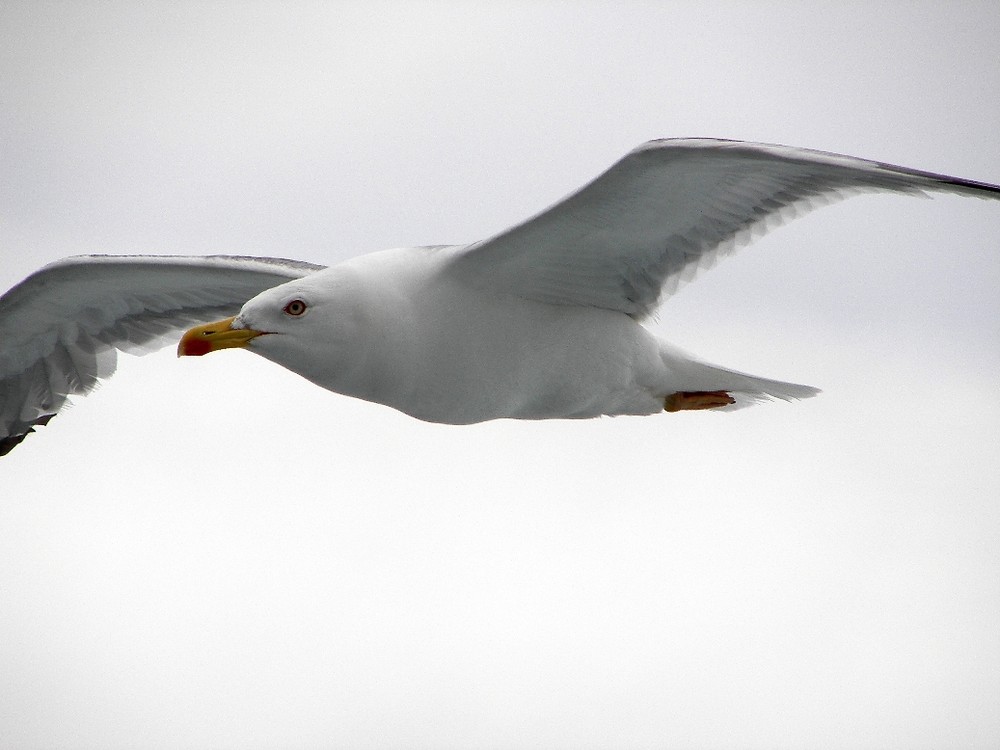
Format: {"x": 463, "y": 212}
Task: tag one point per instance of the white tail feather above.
{"x": 690, "y": 374}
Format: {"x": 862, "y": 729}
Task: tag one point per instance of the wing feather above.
{"x": 60, "y": 328}
{"x": 670, "y": 209}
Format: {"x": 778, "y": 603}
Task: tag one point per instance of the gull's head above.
{"x": 279, "y": 313}
{"x": 313, "y": 326}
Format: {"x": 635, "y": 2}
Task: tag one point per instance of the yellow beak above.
{"x": 214, "y": 336}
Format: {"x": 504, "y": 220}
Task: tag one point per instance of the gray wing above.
{"x": 60, "y": 328}
{"x": 669, "y": 209}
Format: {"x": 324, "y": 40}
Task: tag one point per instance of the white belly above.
{"x": 528, "y": 360}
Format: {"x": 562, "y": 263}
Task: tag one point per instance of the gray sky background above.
{"x": 213, "y": 553}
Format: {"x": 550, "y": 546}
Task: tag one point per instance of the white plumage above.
{"x": 540, "y": 321}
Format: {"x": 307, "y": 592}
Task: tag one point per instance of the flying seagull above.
{"x": 541, "y": 321}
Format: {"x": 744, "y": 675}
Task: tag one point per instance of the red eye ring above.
{"x": 295, "y": 308}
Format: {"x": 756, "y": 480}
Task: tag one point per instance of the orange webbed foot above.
{"x": 695, "y": 400}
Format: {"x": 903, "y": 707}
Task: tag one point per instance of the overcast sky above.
{"x": 213, "y": 553}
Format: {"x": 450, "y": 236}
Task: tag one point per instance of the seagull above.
{"x": 541, "y": 321}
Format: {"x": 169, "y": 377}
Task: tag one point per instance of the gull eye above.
{"x": 295, "y": 308}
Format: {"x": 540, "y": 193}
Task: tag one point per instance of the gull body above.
{"x": 397, "y": 328}
{"x": 542, "y": 320}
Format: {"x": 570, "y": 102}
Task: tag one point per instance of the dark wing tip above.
{"x": 7, "y": 444}
{"x": 10, "y": 442}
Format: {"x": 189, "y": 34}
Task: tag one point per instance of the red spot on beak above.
{"x": 194, "y": 347}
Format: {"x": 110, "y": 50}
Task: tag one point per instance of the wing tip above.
{"x": 906, "y": 179}
{"x": 10, "y": 442}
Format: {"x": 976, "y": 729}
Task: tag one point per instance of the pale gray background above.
{"x": 213, "y": 553}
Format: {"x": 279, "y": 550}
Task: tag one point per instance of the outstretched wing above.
{"x": 669, "y": 209}
{"x": 60, "y": 328}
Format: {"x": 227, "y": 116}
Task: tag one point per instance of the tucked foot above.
{"x": 692, "y": 400}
